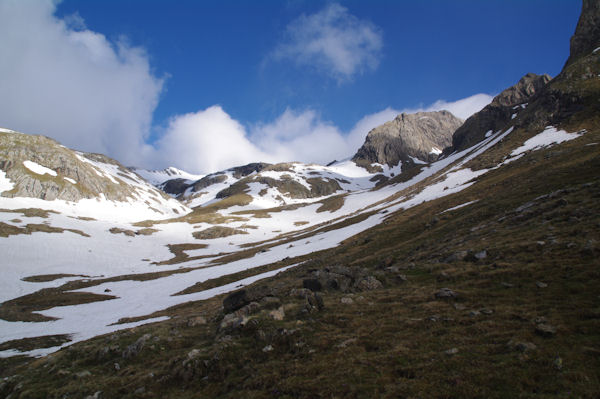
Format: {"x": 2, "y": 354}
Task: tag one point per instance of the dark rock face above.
{"x": 209, "y": 181}
{"x": 174, "y": 186}
{"x": 527, "y": 86}
{"x": 498, "y": 113}
{"x": 587, "y": 33}
{"x": 418, "y": 135}
{"x": 242, "y": 171}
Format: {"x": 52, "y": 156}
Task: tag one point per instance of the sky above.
{"x": 207, "y": 85}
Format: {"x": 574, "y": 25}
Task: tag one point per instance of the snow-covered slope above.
{"x": 157, "y": 177}
{"x": 38, "y": 172}
{"x": 121, "y": 258}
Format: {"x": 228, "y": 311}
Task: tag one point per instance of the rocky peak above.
{"x": 527, "y": 86}
{"x": 498, "y": 113}
{"x": 420, "y": 135}
{"x": 587, "y": 33}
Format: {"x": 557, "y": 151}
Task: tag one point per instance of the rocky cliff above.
{"x": 422, "y": 135}
{"x": 498, "y": 113}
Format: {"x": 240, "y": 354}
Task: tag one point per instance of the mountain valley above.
{"x": 446, "y": 259}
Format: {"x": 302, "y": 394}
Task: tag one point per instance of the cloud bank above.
{"x": 211, "y": 140}
{"x": 62, "y": 80}
{"x": 333, "y": 41}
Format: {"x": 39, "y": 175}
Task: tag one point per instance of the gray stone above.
{"x": 277, "y": 314}
{"x": 545, "y": 330}
{"x": 83, "y": 374}
{"x": 196, "y": 321}
{"x": 267, "y": 348}
{"x": 347, "y": 301}
{"x": 408, "y": 135}
{"x": 135, "y": 348}
{"x": 445, "y": 293}
{"x": 451, "y": 351}
{"x": 539, "y": 284}
{"x": 369, "y": 283}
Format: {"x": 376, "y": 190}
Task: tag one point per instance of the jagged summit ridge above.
{"x": 422, "y": 135}
{"x": 498, "y": 113}
{"x": 587, "y": 33}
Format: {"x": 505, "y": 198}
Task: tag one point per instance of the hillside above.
{"x": 472, "y": 275}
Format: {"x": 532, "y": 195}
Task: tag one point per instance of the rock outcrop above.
{"x": 421, "y": 135}
{"x": 587, "y": 33}
{"x": 39, "y": 167}
{"x": 498, "y": 113}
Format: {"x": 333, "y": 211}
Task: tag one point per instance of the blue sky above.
{"x": 275, "y": 78}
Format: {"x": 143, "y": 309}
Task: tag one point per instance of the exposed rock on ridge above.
{"x": 72, "y": 175}
{"x": 498, "y": 113}
{"x": 418, "y": 135}
{"x": 587, "y": 33}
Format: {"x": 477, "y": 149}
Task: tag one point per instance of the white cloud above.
{"x": 72, "y": 84}
{"x": 462, "y": 108}
{"x": 206, "y": 141}
{"x": 334, "y": 41}
{"x": 211, "y": 140}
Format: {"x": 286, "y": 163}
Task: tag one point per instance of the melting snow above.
{"x": 459, "y": 206}
{"x": 548, "y": 137}
{"x": 5, "y": 183}
{"x": 105, "y": 254}
{"x": 38, "y": 169}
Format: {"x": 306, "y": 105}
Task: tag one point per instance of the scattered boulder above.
{"x": 347, "y": 342}
{"x": 456, "y": 256}
{"x": 368, "y": 283}
{"x": 347, "y": 301}
{"x": 545, "y": 330}
{"x": 267, "y": 348}
{"x": 135, "y": 348}
{"x": 312, "y": 284}
{"x": 238, "y": 299}
{"x": 277, "y": 314}
{"x": 83, "y": 374}
{"x": 451, "y": 351}
{"x": 231, "y": 321}
{"x": 540, "y": 284}
{"x": 196, "y": 321}
{"x": 445, "y": 293}
{"x": 522, "y": 346}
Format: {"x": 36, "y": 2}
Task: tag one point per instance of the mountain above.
{"x": 52, "y": 176}
{"x": 503, "y": 108}
{"x": 268, "y": 185}
{"x": 425, "y": 286}
{"x": 422, "y": 135}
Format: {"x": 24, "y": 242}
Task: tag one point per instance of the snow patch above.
{"x": 596, "y": 50}
{"x": 548, "y": 137}
{"x": 70, "y": 180}
{"x": 38, "y": 169}
{"x": 5, "y": 183}
{"x": 488, "y": 133}
{"x": 435, "y": 151}
{"x": 459, "y": 206}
